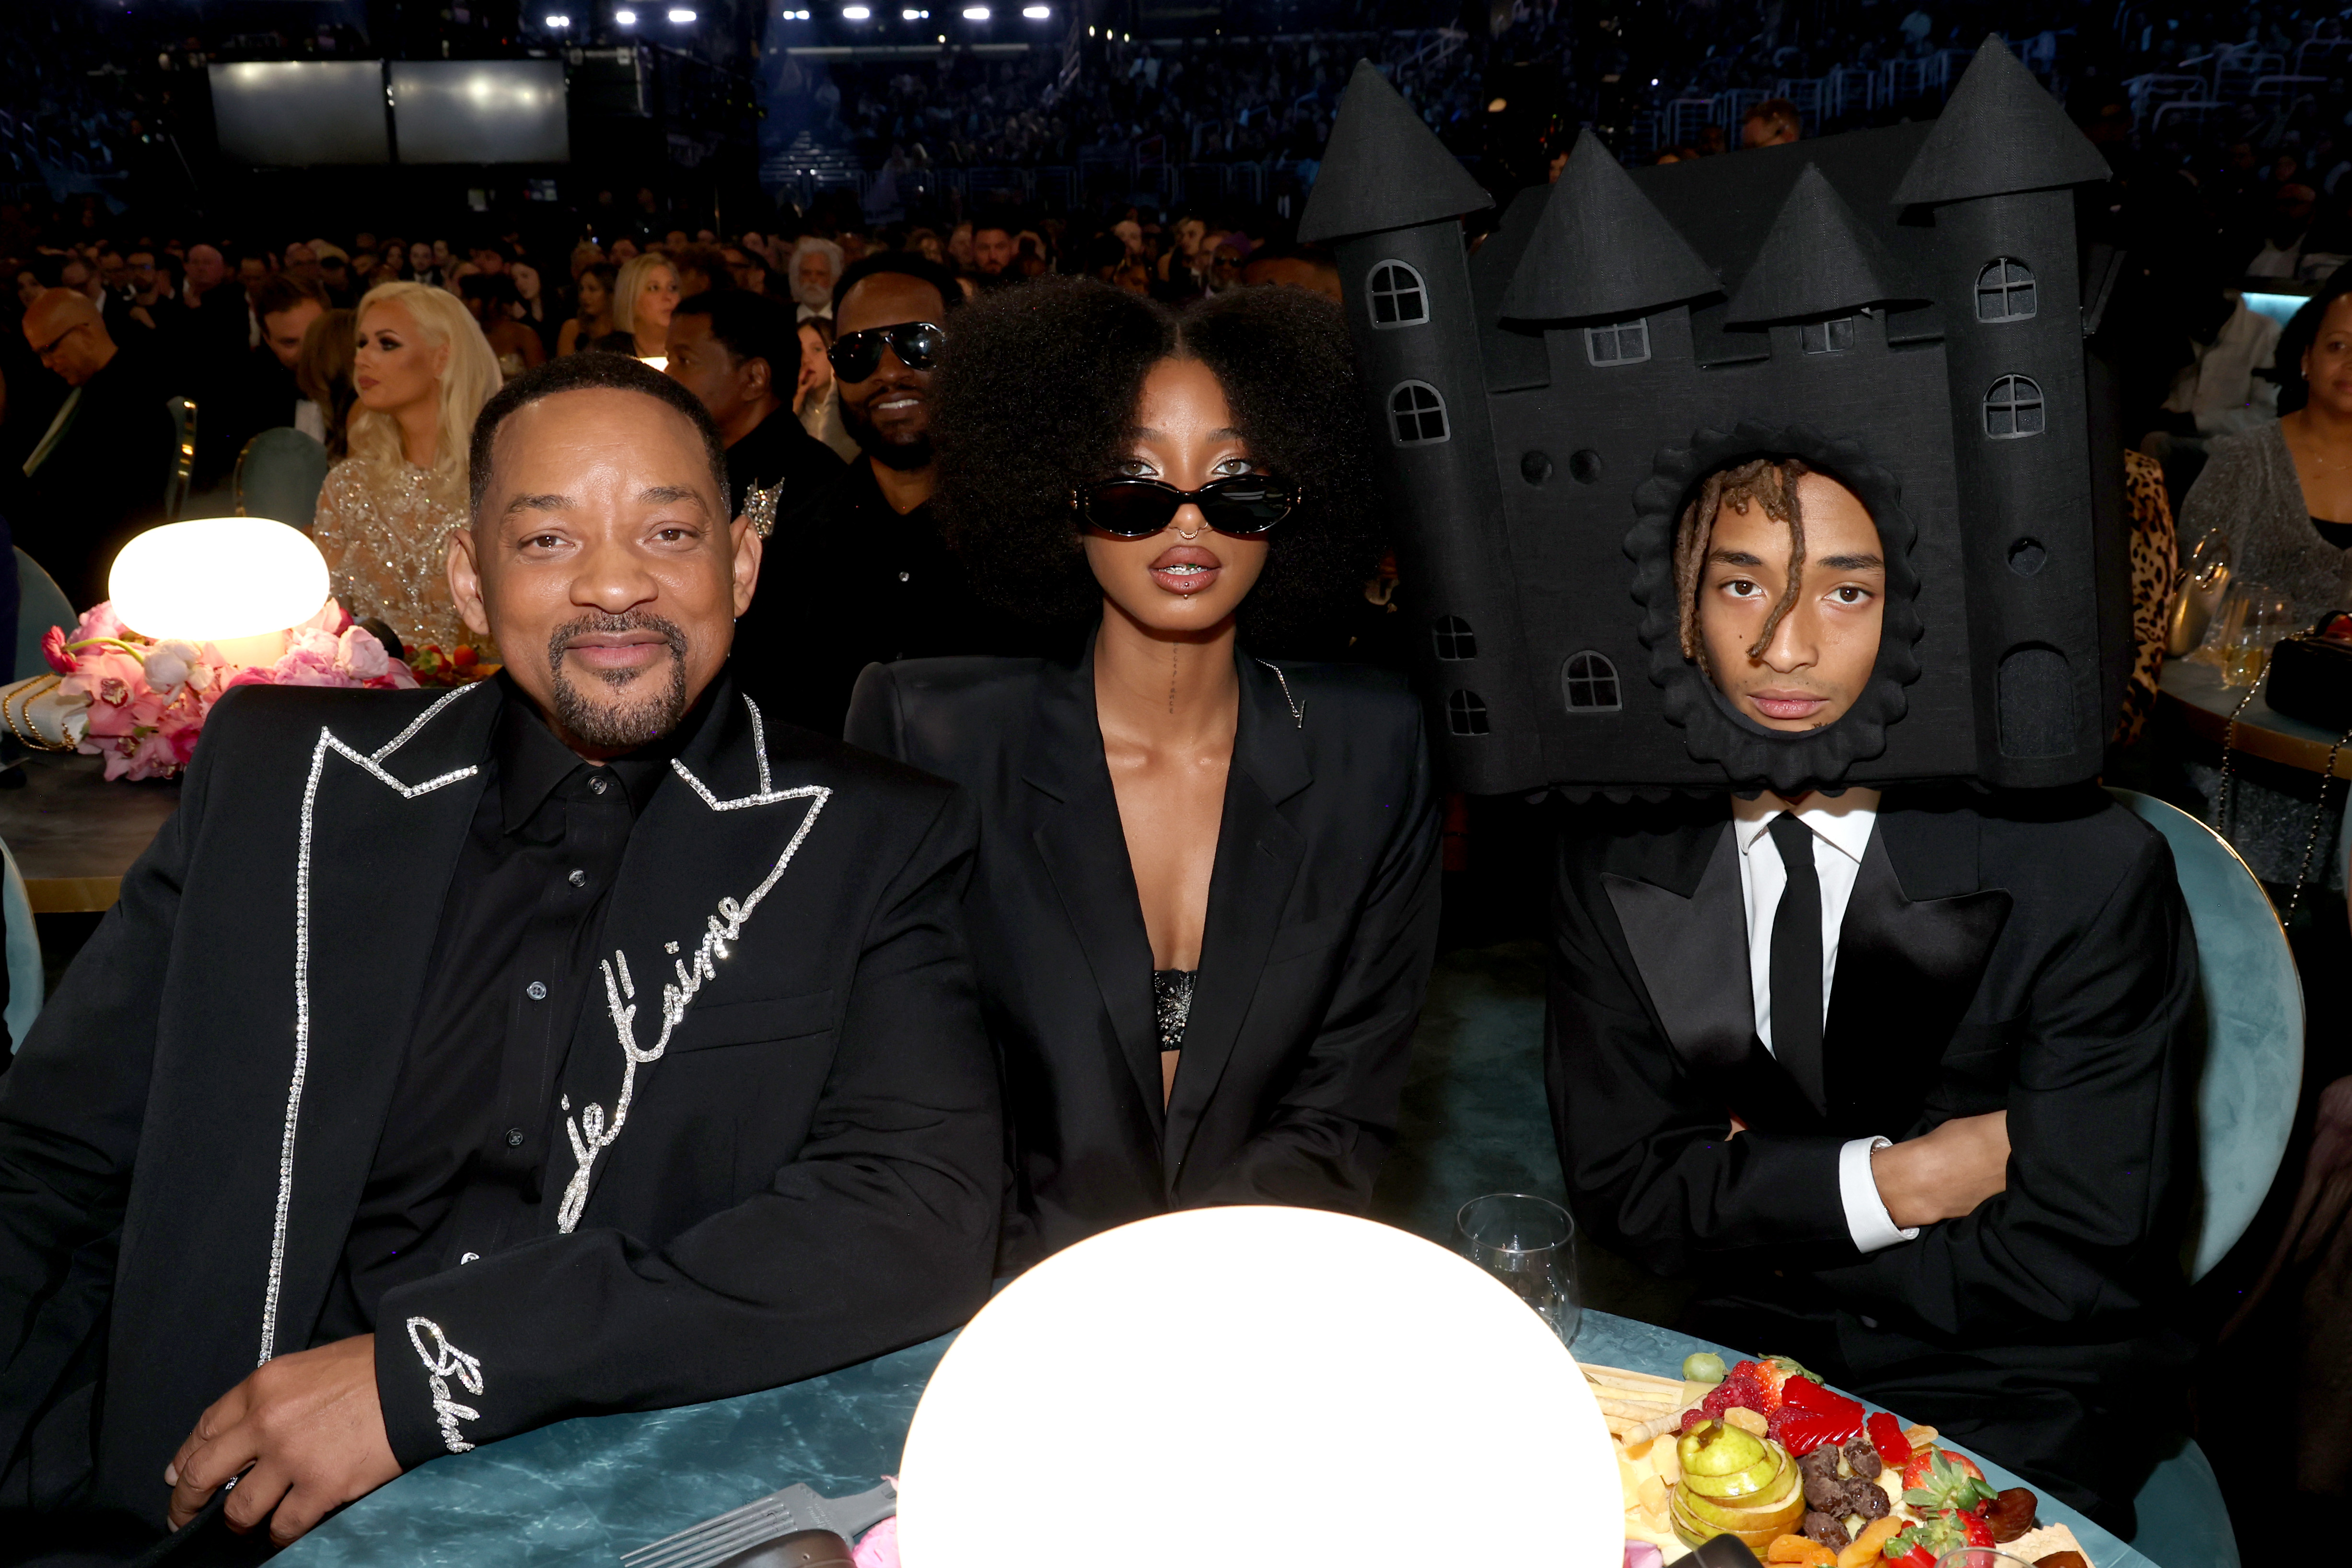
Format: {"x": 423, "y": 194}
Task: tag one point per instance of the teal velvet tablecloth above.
{"x": 585, "y": 1491}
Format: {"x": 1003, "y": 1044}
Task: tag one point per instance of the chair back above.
{"x": 2253, "y": 1028}
{"x": 184, "y": 455}
{"x": 27, "y": 983}
{"x": 280, "y": 474}
{"x": 40, "y": 604}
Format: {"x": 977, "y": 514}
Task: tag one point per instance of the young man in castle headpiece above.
{"x": 1904, "y": 1079}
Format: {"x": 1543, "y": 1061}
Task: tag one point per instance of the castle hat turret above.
{"x": 2000, "y": 134}
{"x": 1602, "y": 250}
{"x": 1818, "y": 260}
{"x": 1383, "y": 169}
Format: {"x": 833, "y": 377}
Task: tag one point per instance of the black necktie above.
{"x": 1797, "y": 960}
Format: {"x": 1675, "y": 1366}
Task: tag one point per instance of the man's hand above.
{"x": 310, "y": 1428}
{"x": 1944, "y": 1174}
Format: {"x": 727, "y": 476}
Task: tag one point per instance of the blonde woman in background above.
{"x": 643, "y": 297}
{"x": 422, "y": 371}
{"x": 323, "y": 372}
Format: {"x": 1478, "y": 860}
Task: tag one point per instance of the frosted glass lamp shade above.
{"x": 216, "y": 579}
{"x": 1257, "y": 1385}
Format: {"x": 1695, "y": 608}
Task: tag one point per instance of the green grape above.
{"x": 1704, "y": 1367}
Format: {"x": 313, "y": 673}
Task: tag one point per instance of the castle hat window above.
{"x": 1417, "y": 415}
{"x": 2005, "y": 291}
{"x": 1455, "y": 639}
{"x": 1589, "y": 684}
{"x": 1619, "y": 343}
{"x": 1398, "y": 295}
{"x": 1834, "y": 336}
{"x": 2012, "y": 409}
{"x": 1466, "y": 713}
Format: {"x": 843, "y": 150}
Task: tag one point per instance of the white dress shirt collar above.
{"x": 1845, "y": 820}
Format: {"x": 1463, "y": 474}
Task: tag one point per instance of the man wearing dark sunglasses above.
{"x": 862, "y": 573}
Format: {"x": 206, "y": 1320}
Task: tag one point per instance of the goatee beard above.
{"x": 905, "y": 456}
{"x": 627, "y": 725}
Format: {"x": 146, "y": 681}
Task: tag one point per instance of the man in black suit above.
{"x": 872, "y": 579}
{"x": 1905, "y": 1081}
{"x": 96, "y": 474}
{"x": 576, "y": 1041}
{"x": 740, "y": 354}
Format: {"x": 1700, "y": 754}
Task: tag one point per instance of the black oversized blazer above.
{"x": 2028, "y": 953}
{"x": 780, "y": 1088}
{"x": 1322, "y": 925}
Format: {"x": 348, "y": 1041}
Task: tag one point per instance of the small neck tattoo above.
{"x": 1175, "y": 652}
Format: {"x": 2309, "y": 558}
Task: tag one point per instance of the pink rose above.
{"x": 168, "y": 664}
{"x": 53, "y": 649}
{"x": 360, "y": 654}
{"x": 251, "y": 676}
{"x": 1641, "y": 1554}
{"x": 99, "y": 620}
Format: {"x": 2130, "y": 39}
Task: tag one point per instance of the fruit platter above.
{"x": 1803, "y": 1476}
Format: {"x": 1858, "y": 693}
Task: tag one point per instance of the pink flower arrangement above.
{"x": 148, "y": 699}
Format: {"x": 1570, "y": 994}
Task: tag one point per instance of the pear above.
{"x": 1722, "y": 1461}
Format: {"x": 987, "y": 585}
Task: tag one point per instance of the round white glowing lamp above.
{"x": 236, "y": 582}
{"x": 1257, "y": 1385}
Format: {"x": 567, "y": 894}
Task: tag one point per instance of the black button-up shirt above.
{"x": 463, "y": 1161}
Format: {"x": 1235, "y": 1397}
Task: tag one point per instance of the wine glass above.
{"x": 1529, "y": 1244}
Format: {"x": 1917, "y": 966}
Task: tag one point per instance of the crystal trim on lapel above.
{"x": 372, "y": 763}
{"x": 442, "y": 1362}
{"x": 589, "y": 1133}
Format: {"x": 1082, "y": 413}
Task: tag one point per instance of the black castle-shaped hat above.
{"x": 1899, "y": 308}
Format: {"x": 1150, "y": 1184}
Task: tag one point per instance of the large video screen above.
{"x": 480, "y": 111}
{"x": 300, "y": 112}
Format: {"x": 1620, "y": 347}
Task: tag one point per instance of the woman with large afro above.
{"x": 1205, "y": 905}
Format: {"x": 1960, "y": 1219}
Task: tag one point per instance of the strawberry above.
{"x": 1921, "y": 1545}
{"x": 1886, "y": 1436}
{"x": 1810, "y": 1416}
{"x": 1946, "y": 1482}
{"x": 1978, "y": 1528}
{"x": 1773, "y": 1375}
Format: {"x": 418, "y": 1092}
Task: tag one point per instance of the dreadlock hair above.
{"x": 1766, "y": 482}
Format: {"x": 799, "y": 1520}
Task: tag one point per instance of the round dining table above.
{"x": 587, "y": 1491}
{"x": 2192, "y": 692}
{"x": 74, "y": 832}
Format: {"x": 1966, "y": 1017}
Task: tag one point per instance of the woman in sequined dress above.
{"x": 1205, "y": 903}
{"x": 423, "y": 371}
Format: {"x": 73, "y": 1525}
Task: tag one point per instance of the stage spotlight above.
{"x": 975, "y": 13}
{"x": 1037, "y": 13}
{"x": 854, "y": 14}
{"x": 625, "y": 18}
{"x": 680, "y": 15}
{"x": 559, "y": 22}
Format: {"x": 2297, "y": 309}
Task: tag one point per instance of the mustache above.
{"x": 587, "y": 626}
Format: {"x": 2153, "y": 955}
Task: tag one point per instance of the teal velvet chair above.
{"x": 280, "y": 474}
{"x": 2245, "y": 1110}
{"x": 40, "y": 604}
{"x": 26, "y": 981}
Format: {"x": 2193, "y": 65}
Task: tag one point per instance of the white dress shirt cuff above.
{"x": 1873, "y": 1228}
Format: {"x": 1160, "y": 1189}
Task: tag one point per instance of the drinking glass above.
{"x": 1980, "y": 1557}
{"x": 2254, "y": 619}
{"x": 1529, "y": 1244}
